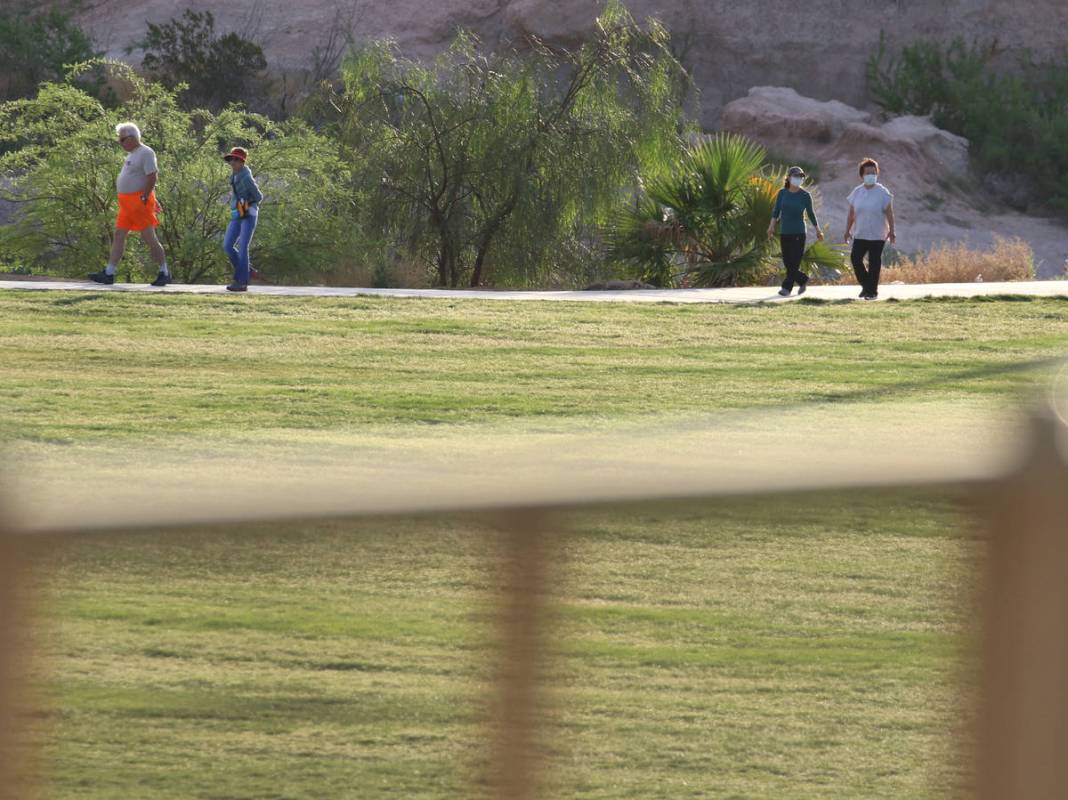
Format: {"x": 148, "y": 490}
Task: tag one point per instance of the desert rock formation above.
{"x": 818, "y": 48}
{"x": 937, "y": 198}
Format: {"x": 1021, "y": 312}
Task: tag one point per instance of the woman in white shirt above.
{"x": 871, "y": 210}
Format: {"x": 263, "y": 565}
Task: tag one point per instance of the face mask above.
{"x": 870, "y": 180}
{"x": 795, "y": 181}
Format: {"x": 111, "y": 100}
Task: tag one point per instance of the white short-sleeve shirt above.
{"x": 139, "y": 164}
{"x": 870, "y": 206}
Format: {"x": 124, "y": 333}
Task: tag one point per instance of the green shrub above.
{"x": 39, "y": 46}
{"x": 1016, "y": 122}
{"x": 921, "y": 79}
{"x": 213, "y": 69}
{"x": 493, "y": 168}
{"x": 705, "y": 220}
{"x": 63, "y": 159}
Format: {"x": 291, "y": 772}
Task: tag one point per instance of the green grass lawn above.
{"x": 795, "y": 648}
{"x": 86, "y": 367}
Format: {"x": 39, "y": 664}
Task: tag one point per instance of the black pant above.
{"x": 793, "y": 250}
{"x": 873, "y": 249}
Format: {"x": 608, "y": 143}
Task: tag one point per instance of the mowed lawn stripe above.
{"x": 119, "y": 365}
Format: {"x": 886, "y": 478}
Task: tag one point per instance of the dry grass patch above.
{"x": 1008, "y": 260}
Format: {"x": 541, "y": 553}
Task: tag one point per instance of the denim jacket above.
{"x": 244, "y": 187}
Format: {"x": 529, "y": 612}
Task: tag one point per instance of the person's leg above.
{"x": 800, "y": 276}
{"x": 118, "y": 247}
{"x": 248, "y": 229}
{"x": 155, "y": 249}
{"x": 787, "y": 242}
{"x": 784, "y": 249}
{"x": 875, "y": 266}
{"x": 233, "y": 232}
{"x": 793, "y": 249}
{"x": 857, "y": 258}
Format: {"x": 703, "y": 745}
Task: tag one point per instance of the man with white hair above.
{"x": 138, "y": 208}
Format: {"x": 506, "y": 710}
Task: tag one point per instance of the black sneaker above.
{"x": 802, "y": 285}
{"x": 863, "y": 294}
{"x": 237, "y": 287}
{"x": 102, "y": 277}
{"x": 784, "y": 292}
{"x": 161, "y": 280}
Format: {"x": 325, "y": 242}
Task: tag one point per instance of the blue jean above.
{"x": 239, "y": 233}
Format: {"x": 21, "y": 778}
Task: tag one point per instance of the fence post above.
{"x": 1023, "y": 737}
{"x": 11, "y": 786}
{"x": 514, "y": 768}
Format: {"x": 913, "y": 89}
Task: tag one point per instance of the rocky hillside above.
{"x": 818, "y": 48}
{"x": 937, "y": 198}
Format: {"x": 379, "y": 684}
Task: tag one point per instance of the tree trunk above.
{"x": 454, "y": 264}
{"x": 444, "y": 267}
{"x": 442, "y": 270}
{"x": 448, "y": 264}
{"x": 476, "y": 274}
{"x": 490, "y": 229}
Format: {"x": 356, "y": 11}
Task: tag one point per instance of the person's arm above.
{"x": 812, "y": 217}
{"x": 150, "y": 185}
{"x": 850, "y": 222}
{"x": 775, "y": 214}
{"x": 246, "y": 189}
{"x": 254, "y": 193}
{"x": 890, "y": 218}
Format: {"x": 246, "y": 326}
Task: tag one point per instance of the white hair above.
{"x": 128, "y": 129}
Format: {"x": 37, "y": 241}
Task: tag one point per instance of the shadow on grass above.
{"x": 822, "y": 301}
{"x": 78, "y": 298}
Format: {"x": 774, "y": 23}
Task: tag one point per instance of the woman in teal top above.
{"x": 791, "y": 207}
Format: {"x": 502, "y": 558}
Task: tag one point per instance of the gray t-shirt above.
{"x": 139, "y": 164}
{"x": 870, "y": 206}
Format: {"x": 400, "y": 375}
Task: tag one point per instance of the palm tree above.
{"x": 706, "y": 219}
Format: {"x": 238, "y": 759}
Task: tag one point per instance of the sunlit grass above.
{"x": 794, "y": 648}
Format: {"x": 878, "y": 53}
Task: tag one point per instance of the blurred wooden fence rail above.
{"x": 1023, "y": 736}
{"x": 10, "y": 596}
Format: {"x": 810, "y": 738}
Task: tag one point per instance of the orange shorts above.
{"x": 135, "y": 215}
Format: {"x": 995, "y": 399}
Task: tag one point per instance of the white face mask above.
{"x": 871, "y": 180}
{"x": 795, "y": 180}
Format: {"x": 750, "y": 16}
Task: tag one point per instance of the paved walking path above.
{"x": 740, "y": 295}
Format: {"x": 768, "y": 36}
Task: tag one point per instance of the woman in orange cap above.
{"x": 245, "y": 198}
